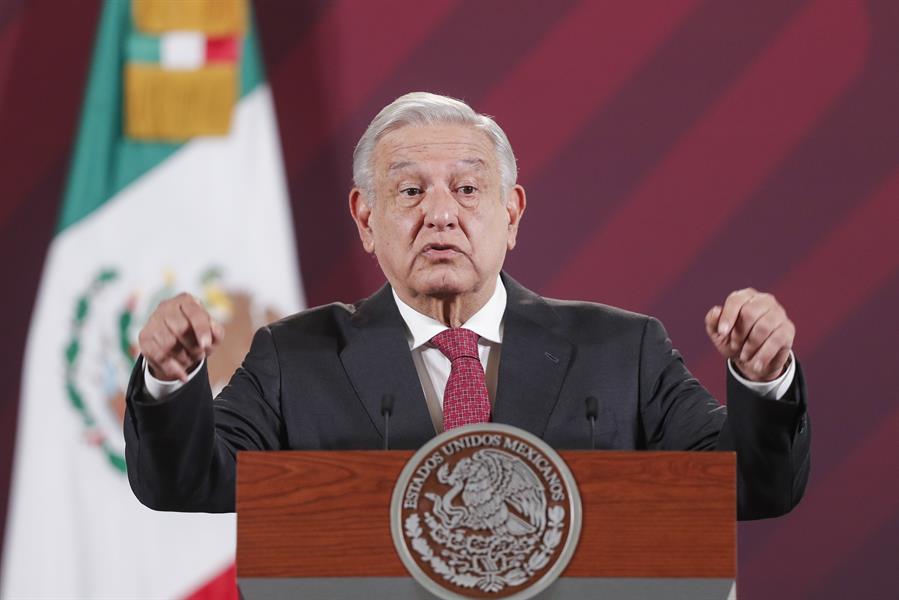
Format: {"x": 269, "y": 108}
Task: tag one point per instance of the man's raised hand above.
{"x": 752, "y": 329}
{"x": 177, "y": 336}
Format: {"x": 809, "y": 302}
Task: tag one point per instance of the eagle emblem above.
{"x": 487, "y": 511}
{"x": 500, "y": 494}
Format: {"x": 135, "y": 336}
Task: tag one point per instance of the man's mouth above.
{"x": 440, "y": 250}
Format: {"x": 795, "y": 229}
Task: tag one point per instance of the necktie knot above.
{"x": 456, "y": 343}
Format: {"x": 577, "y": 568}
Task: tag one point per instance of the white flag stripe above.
{"x": 182, "y": 50}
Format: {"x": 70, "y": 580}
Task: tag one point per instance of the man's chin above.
{"x": 443, "y": 282}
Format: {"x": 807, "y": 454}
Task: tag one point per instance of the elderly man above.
{"x": 455, "y": 340}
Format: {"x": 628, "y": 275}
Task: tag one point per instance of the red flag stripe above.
{"x": 221, "y": 587}
{"x": 222, "y": 49}
{"x": 712, "y": 171}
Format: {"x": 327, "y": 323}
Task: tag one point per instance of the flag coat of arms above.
{"x": 176, "y": 184}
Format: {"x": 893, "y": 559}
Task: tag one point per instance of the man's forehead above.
{"x": 455, "y": 143}
{"x": 475, "y": 163}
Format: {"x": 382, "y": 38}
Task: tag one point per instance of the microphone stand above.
{"x": 592, "y": 415}
{"x": 386, "y": 411}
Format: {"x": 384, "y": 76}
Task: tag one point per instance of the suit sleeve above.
{"x": 771, "y": 437}
{"x": 181, "y": 451}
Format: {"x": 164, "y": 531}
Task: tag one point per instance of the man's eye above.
{"x": 468, "y": 189}
{"x": 411, "y": 192}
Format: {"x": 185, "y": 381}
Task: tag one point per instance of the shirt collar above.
{"x": 487, "y": 322}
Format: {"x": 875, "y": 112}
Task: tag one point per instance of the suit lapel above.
{"x": 533, "y": 363}
{"x": 377, "y": 361}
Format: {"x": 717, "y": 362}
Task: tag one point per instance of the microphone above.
{"x": 592, "y": 415}
{"x": 386, "y": 411}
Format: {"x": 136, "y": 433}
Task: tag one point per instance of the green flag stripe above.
{"x": 104, "y": 162}
{"x": 252, "y": 71}
{"x": 142, "y": 48}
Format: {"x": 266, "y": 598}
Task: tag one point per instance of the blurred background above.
{"x": 672, "y": 152}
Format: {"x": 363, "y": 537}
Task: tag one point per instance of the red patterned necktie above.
{"x": 465, "y": 399}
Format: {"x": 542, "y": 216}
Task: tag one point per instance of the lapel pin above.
{"x": 551, "y": 357}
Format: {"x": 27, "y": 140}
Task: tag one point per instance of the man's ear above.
{"x": 516, "y": 203}
{"x": 360, "y": 209}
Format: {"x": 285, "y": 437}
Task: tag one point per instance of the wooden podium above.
{"x": 316, "y": 524}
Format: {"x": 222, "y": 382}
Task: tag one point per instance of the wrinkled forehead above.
{"x": 446, "y": 147}
{"x": 475, "y": 166}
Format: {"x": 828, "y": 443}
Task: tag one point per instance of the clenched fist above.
{"x": 752, "y": 329}
{"x": 177, "y": 336}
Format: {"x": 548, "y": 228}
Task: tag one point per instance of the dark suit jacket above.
{"x": 315, "y": 381}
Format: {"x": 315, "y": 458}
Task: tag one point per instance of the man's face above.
{"x": 440, "y": 224}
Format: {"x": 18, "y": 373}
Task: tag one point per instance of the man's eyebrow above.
{"x": 474, "y": 162}
{"x": 400, "y": 165}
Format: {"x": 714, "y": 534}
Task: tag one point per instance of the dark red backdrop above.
{"x": 672, "y": 151}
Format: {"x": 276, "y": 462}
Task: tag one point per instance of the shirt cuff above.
{"x": 159, "y": 389}
{"x": 772, "y": 390}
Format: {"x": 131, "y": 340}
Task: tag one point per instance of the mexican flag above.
{"x": 176, "y": 184}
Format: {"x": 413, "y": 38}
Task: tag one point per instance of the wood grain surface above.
{"x": 326, "y": 514}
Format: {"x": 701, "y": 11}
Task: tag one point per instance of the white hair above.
{"x": 424, "y": 108}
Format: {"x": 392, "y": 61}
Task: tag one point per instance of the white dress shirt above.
{"x": 433, "y": 366}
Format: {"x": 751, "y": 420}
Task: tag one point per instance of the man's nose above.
{"x": 441, "y": 209}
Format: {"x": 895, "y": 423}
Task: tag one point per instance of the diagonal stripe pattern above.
{"x": 708, "y": 146}
{"x": 465, "y": 399}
